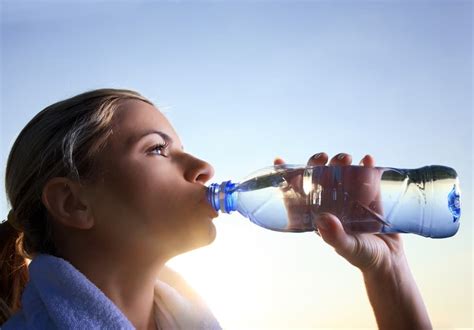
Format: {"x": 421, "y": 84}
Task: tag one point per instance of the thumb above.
{"x": 332, "y": 232}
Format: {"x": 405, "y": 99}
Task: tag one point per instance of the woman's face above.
{"x": 151, "y": 196}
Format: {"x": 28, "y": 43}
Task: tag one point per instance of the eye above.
{"x": 158, "y": 149}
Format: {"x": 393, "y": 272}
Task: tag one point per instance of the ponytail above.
{"x": 13, "y": 270}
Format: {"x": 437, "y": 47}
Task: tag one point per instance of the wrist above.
{"x": 394, "y": 296}
{"x": 394, "y": 266}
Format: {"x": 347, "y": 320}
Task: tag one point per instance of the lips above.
{"x": 215, "y": 213}
{"x": 212, "y": 212}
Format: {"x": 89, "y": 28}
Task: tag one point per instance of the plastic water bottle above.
{"x": 424, "y": 201}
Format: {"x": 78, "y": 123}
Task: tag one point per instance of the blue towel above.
{"x": 59, "y": 296}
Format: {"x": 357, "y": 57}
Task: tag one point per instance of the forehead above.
{"x": 134, "y": 117}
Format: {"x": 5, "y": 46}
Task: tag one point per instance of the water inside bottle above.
{"x": 290, "y": 200}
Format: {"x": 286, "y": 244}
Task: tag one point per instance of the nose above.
{"x": 198, "y": 170}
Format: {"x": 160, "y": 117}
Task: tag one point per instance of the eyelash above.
{"x": 160, "y": 146}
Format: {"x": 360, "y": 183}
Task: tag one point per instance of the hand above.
{"x": 368, "y": 252}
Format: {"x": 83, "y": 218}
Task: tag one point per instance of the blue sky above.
{"x": 245, "y": 81}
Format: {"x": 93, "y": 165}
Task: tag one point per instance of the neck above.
{"x": 127, "y": 280}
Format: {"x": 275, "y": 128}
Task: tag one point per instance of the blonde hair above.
{"x": 62, "y": 140}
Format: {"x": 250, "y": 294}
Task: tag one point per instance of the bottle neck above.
{"x": 220, "y": 196}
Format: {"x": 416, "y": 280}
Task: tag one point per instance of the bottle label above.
{"x": 454, "y": 203}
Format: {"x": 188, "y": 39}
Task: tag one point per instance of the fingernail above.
{"x": 316, "y": 156}
{"x": 341, "y": 156}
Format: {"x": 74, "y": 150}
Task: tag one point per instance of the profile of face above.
{"x": 150, "y": 197}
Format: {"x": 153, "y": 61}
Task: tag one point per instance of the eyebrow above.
{"x": 165, "y": 137}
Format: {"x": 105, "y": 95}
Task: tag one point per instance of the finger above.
{"x": 332, "y": 232}
{"x": 318, "y": 159}
{"x": 341, "y": 159}
{"x": 292, "y": 182}
{"x": 368, "y": 161}
{"x": 278, "y": 161}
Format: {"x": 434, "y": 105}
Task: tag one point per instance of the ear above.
{"x": 66, "y": 202}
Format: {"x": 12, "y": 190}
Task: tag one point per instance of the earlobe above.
{"x": 64, "y": 200}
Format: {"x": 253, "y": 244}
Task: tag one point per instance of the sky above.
{"x": 243, "y": 82}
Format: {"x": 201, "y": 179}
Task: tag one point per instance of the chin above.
{"x": 209, "y": 234}
{"x": 203, "y": 237}
{"x": 212, "y": 233}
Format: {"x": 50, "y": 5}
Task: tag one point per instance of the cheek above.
{"x": 146, "y": 194}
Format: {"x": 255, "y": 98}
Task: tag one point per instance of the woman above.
{"x": 103, "y": 194}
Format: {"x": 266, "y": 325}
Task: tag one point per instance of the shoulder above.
{"x": 178, "y": 299}
{"x": 21, "y": 321}
{"x": 177, "y": 282}
{"x": 17, "y": 321}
